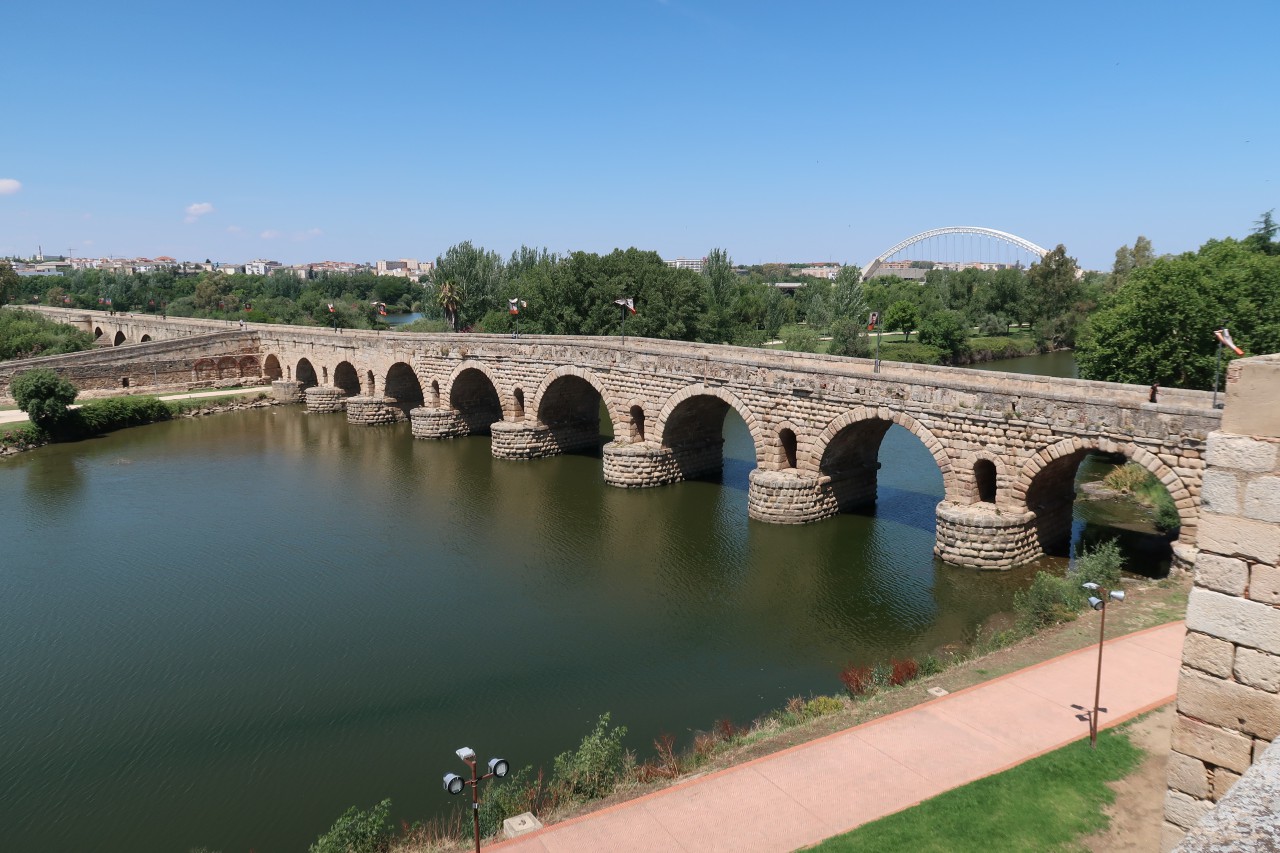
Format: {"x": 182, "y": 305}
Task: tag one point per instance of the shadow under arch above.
{"x": 847, "y": 455}
{"x": 568, "y": 403}
{"x": 305, "y": 374}
{"x": 1046, "y": 486}
{"x": 473, "y": 394}
{"x": 346, "y": 379}
{"x": 691, "y": 426}
{"x": 271, "y": 368}
{"x": 402, "y": 385}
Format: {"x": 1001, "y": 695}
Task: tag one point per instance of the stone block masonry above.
{"x": 1229, "y": 689}
{"x": 1006, "y": 446}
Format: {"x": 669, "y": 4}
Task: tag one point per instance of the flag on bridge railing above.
{"x": 626, "y": 302}
{"x": 513, "y": 306}
{"x": 331, "y": 311}
{"x": 1224, "y": 337}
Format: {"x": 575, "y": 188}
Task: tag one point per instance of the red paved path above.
{"x": 810, "y": 792}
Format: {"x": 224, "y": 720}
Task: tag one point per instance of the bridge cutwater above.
{"x": 1007, "y": 445}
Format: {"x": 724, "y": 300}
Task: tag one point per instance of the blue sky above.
{"x": 780, "y": 131}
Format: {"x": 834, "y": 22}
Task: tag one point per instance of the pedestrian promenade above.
{"x": 810, "y": 792}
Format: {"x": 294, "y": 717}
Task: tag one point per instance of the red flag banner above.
{"x": 331, "y": 308}
{"x": 1224, "y": 338}
{"x": 626, "y": 302}
{"x": 513, "y": 306}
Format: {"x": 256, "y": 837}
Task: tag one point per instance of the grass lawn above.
{"x": 1043, "y": 804}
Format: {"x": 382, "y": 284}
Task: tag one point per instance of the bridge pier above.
{"x": 646, "y": 463}
{"x": 532, "y": 440}
{"x": 323, "y": 399}
{"x": 982, "y": 536}
{"x": 426, "y": 422}
{"x": 790, "y": 497}
{"x": 287, "y": 391}
{"x": 373, "y": 411}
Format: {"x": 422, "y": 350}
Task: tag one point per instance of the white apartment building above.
{"x": 695, "y": 264}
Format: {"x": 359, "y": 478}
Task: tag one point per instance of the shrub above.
{"x": 119, "y": 412}
{"x": 930, "y": 665}
{"x": 946, "y": 331}
{"x": 857, "y": 679}
{"x": 726, "y": 729}
{"x": 911, "y": 353}
{"x": 821, "y": 706}
{"x": 357, "y": 832}
{"x": 799, "y": 339}
{"x": 849, "y": 338}
{"x": 902, "y": 671}
{"x": 43, "y": 395}
{"x": 520, "y": 792}
{"x": 1101, "y": 565}
{"x": 593, "y": 769}
{"x": 993, "y": 325}
{"x": 1049, "y": 600}
{"x": 1128, "y": 478}
{"x": 1167, "y": 518}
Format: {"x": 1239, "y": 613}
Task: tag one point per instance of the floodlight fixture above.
{"x": 1095, "y": 603}
{"x": 1092, "y": 587}
{"x": 499, "y": 767}
{"x": 453, "y": 783}
{"x": 1117, "y": 595}
{"x": 466, "y": 753}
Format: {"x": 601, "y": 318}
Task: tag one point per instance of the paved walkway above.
{"x": 810, "y": 792}
{"x": 9, "y": 416}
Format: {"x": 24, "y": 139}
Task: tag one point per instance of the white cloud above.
{"x": 9, "y": 186}
{"x": 195, "y": 211}
{"x": 269, "y": 234}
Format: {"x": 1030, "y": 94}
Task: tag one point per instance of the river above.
{"x": 223, "y": 632}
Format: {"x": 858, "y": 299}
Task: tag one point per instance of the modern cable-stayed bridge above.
{"x": 957, "y": 247}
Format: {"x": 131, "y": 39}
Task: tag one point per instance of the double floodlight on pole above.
{"x": 453, "y": 783}
{"x": 1099, "y": 602}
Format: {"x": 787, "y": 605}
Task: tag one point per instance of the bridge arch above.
{"x": 204, "y": 369}
{"x": 692, "y": 420}
{"x": 346, "y": 378}
{"x": 119, "y": 339}
{"x": 1046, "y": 486}
{"x": 271, "y": 368}
{"x": 305, "y": 374}
{"x": 848, "y": 452}
{"x": 473, "y": 394}
{"x": 402, "y": 385}
{"x": 873, "y": 268}
{"x": 560, "y": 398}
{"x": 249, "y": 366}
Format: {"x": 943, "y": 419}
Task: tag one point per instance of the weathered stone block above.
{"x": 1239, "y": 620}
{"x": 1171, "y": 836}
{"x": 1262, "y": 499}
{"x": 1225, "y": 574}
{"x": 1239, "y": 537}
{"x": 1184, "y": 811}
{"x": 1258, "y": 669}
{"x": 1224, "y": 450}
{"x": 1264, "y": 583}
{"x": 1188, "y": 775}
{"x": 1220, "y": 491}
{"x": 1223, "y": 779}
{"x": 1211, "y": 744}
{"x": 1208, "y": 654}
{"x": 1228, "y": 704}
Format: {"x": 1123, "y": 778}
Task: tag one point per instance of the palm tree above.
{"x": 450, "y": 299}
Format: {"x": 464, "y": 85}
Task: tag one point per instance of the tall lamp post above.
{"x": 1098, "y": 601}
{"x": 453, "y": 783}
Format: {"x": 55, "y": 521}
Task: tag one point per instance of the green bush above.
{"x": 911, "y": 353}
{"x": 593, "y": 769}
{"x": 799, "y": 339}
{"x": 945, "y": 330}
{"x": 1049, "y": 600}
{"x": 1167, "y": 518}
{"x": 848, "y": 338}
{"x": 992, "y": 325}
{"x": 43, "y": 395}
{"x": 820, "y": 706}
{"x": 1101, "y": 565}
{"x": 118, "y": 412}
{"x": 25, "y": 334}
{"x": 358, "y": 831}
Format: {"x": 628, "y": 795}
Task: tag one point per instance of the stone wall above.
{"x": 1229, "y": 688}
{"x": 162, "y": 365}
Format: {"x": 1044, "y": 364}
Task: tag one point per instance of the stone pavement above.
{"x": 802, "y": 795}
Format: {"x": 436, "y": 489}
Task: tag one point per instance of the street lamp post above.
{"x": 453, "y": 783}
{"x": 1099, "y": 602}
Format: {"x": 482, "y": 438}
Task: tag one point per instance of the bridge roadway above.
{"x": 1007, "y": 445}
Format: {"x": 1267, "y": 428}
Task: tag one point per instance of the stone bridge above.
{"x": 1007, "y": 445}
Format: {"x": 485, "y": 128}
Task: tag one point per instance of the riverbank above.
{"x": 17, "y": 435}
{"x": 1148, "y": 604}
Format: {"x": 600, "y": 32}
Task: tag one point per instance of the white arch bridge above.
{"x": 1016, "y": 243}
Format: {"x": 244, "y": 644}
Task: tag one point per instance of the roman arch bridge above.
{"x": 1007, "y": 446}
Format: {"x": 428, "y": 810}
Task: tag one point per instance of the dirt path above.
{"x": 1138, "y": 812}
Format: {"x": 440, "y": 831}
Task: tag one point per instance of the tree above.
{"x": 449, "y": 298}
{"x": 721, "y": 285}
{"x": 9, "y": 282}
{"x": 947, "y": 331}
{"x": 849, "y": 338}
{"x": 902, "y": 316}
{"x": 43, "y": 395}
{"x": 848, "y": 300}
{"x": 1159, "y": 327}
{"x": 1053, "y": 290}
{"x": 1263, "y": 237}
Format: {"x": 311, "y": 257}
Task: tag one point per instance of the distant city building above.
{"x": 821, "y": 270}
{"x": 695, "y": 264}
{"x": 404, "y": 268}
{"x": 788, "y": 286}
